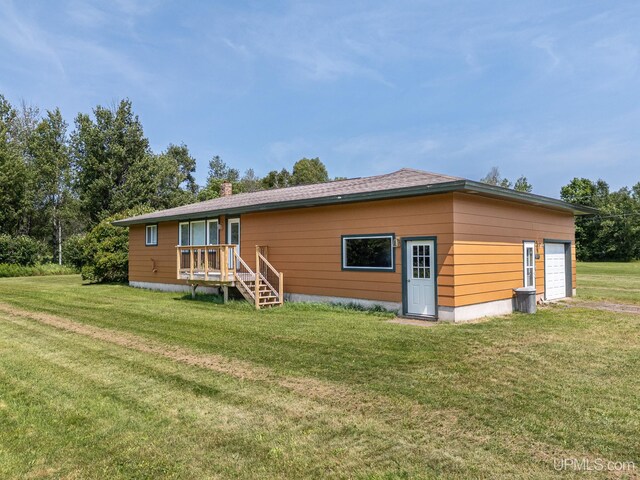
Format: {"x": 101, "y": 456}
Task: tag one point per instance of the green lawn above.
{"x": 155, "y": 385}
{"x": 609, "y": 281}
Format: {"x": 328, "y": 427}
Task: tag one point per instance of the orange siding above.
{"x": 488, "y": 250}
{"x": 142, "y": 259}
{"x": 305, "y": 244}
{"x": 479, "y": 243}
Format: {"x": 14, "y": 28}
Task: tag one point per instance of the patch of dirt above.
{"x": 335, "y": 395}
{"x": 607, "y": 306}
{"x": 304, "y": 386}
{"x": 413, "y": 321}
{"x": 217, "y": 363}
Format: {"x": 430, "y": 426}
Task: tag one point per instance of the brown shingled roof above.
{"x": 404, "y": 182}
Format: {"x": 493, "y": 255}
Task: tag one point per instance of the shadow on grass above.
{"x": 202, "y": 297}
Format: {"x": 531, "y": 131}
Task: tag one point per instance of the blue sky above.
{"x": 547, "y": 89}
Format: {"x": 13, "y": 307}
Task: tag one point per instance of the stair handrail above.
{"x": 279, "y": 275}
{"x": 238, "y": 275}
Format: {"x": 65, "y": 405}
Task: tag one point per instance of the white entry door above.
{"x": 233, "y": 236}
{"x": 555, "y": 272}
{"x": 421, "y": 283}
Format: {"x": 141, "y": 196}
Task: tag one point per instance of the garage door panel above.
{"x": 555, "y": 271}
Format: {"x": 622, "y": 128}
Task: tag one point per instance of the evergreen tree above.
{"x": 219, "y": 172}
{"x": 523, "y": 185}
{"x": 111, "y": 155}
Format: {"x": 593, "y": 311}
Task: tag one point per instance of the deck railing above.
{"x": 206, "y": 262}
{"x": 221, "y": 265}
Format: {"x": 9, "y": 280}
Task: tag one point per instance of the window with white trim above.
{"x": 368, "y": 252}
{"x": 198, "y": 233}
{"x": 184, "y": 235}
{"x": 529, "y": 264}
{"x": 151, "y": 235}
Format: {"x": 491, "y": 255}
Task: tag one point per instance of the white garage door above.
{"x": 555, "y": 271}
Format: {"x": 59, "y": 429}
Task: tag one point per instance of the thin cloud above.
{"x": 25, "y": 36}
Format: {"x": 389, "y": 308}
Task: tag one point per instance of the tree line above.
{"x": 57, "y": 182}
{"x": 612, "y": 234}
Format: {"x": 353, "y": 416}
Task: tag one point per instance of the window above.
{"x": 151, "y": 235}
{"x": 529, "y": 263}
{"x": 421, "y": 261}
{"x": 368, "y": 252}
{"x": 198, "y": 233}
{"x": 184, "y": 234}
{"x": 212, "y": 232}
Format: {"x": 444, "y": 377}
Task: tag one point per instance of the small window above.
{"x": 184, "y": 234}
{"x": 151, "y": 235}
{"x": 198, "y": 233}
{"x": 368, "y": 252}
{"x": 529, "y": 264}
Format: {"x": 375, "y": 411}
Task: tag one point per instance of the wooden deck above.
{"x": 220, "y": 265}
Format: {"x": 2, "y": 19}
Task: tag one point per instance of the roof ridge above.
{"x": 314, "y": 184}
{"x": 418, "y": 170}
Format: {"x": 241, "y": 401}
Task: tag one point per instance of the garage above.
{"x": 555, "y": 270}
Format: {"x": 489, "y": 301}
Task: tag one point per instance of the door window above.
{"x": 421, "y": 258}
{"x": 212, "y": 232}
{"x": 529, "y": 263}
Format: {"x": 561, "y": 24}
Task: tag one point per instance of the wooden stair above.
{"x": 264, "y": 293}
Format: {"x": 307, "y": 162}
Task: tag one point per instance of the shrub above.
{"x": 73, "y": 251}
{"x": 13, "y": 270}
{"x": 22, "y": 250}
{"x": 106, "y": 252}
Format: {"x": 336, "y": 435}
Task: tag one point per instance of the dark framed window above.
{"x": 151, "y": 235}
{"x": 368, "y": 252}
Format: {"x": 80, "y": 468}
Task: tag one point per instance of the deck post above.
{"x": 206, "y": 264}
{"x": 257, "y": 282}
{"x": 193, "y": 291}
{"x": 225, "y": 294}
{"x": 178, "y": 263}
{"x": 224, "y": 263}
{"x": 190, "y": 263}
{"x": 281, "y": 289}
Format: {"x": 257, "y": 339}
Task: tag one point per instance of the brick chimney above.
{"x": 226, "y": 189}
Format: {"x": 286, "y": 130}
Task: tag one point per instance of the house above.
{"x": 424, "y": 244}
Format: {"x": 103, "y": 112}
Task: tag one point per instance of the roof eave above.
{"x": 313, "y": 202}
{"x": 530, "y": 198}
{"x": 444, "y": 187}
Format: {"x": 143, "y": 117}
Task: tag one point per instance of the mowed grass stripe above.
{"x": 497, "y": 399}
{"x": 122, "y": 407}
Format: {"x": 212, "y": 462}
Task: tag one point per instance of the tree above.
{"x": 13, "y": 172}
{"x": 105, "y": 152}
{"x": 613, "y": 234}
{"x": 49, "y": 150}
{"x": 275, "y": 179}
{"x": 523, "y": 185}
{"x": 309, "y": 170}
{"x": 250, "y": 182}
{"x": 186, "y": 166}
{"x": 494, "y": 178}
{"x": 163, "y": 181}
{"x": 219, "y": 172}
{"x": 106, "y": 249}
